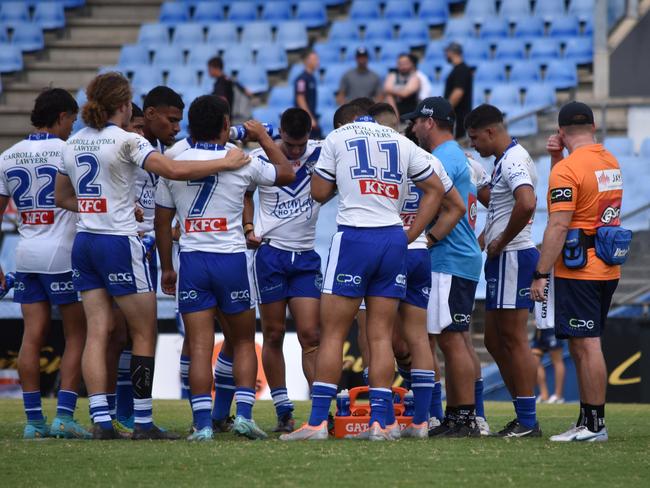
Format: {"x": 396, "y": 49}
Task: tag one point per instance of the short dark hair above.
{"x": 414, "y": 59}
{"x": 207, "y": 117}
{"x": 364, "y": 103}
{"x": 482, "y": 116}
{"x": 295, "y": 122}
{"x": 445, "y": 125}
{"x": 136, "y": 111}
{"x": 162, "y": 96}
{"x": 49, "y": 104}
{"x": 215, "y": 62}
{"x": 346, "y": 113}
{"x": 381, "y": 108}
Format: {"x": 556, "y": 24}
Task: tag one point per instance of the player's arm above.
{"x": 248, "y": 217}
{"x": 452, "y": 210}
{"x": 284, "y": 172}
{"x": 433, "y": 193}
{"x": 194, "y": 170}
{"x": 484, "y": 196}
{"x": 163, "y": 226}
{"x": 555, "y": 146}
{"x": 4, "y": 201}
{"x": 322, "y": 190}
{"x": 64, "y": 194}
{"x": 524, "y": 208}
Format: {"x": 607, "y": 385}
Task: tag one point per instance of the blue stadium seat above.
{"x": 478, "y": 94}
{"x": 335, "y": 3}
{"x": 512, "y": 10}
{"x": 539, "y": 95}
{"x": 382, "y": 68}
{"x": 174, "y": 13}
{"x": 579, "y": 50}
{"x": 207, "y": 12}
{"x": 334, "y": 72}
{"x": 200, "y": 55}
{"x": 475, "y": 50}
{"x": 529, "y": 27}
{"x": 378, "y": 30}
{"x": 397, "y": 10}
{"x": 460, "y": 27}
{"x": 584, "y": 9}
{"x": 343, "y": 31}
{"x": 544, "y": 49}
{"x": 73, "y": 3}
{"x": 505, "y": 95}
{"x": 269, "y": 115}
{"x": 561, "y": 74}
{"x": 28, "y": 37}
{"x": 50, "y": 15}
{"x": 364, "y": 10}
{"x": 133, "y": 56}
{"x": 272, "y": 57}
{"x": 147, "y": 77}
{"x": 490, "y": 72}
{"x": 509, "y": 50}
{"x": 188, "y": 35}
{"x": 588, "y": 28}
{"x": 328, "y": 52}
{"x": 277, "y": 10}
{"x": 549, "y": 9}
{"x": 644, "y": 151}
{"x": 257, "y": 34}
{"x": 222, "y": 33}
{"x": 523, "y": 73}
{"x": 326, "y": 121}
{"x": 4, "y": 35}
{"x": 619, "y": 146}
{"x": 443, "y": 72}
{"x": 430, "y": 67}
{"x": 11, "y": 58}
{"x": 167, "y": 57}
{"x": 182, "y": 79}
{"x": 414, "y": 32}
{"x": 563, "y": 26}
{"x": 295, "y": 71}
{"x": 281, "y": 97}
{"x": 496, "y": 28}
{"x": 480, "y": 10}
{"x": 153, "y": 35}
{"x": 312, "y": 13}
{"x": 292, "y": 35}
{"x": 242, "y": 12}
{"x": 434, "y": 12}
{"x": 326, "y": 97}
{"x": 237, "y": 57}
{"x": 435, "y": 50}
{"x": 14, "y": 12}
{"x": 254, "y": 78}
{"x": 389, "y": 51}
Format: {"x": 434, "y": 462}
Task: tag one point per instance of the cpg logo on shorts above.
{"x": 61, "y": 287}
{"x": 120, "y": 278}
{"x": 240, "y": 295}
{"x": 188, "y": 296}
{"x": 581, "y": 324}
{"x": 348, "y": 279}
{"x": 400, "y": 280}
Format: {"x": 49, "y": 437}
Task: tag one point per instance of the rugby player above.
{"x": 43, "y": 270}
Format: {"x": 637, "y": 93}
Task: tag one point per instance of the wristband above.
{"x": 432, "y": 237}
{"x": 538, "y": 276}
{"x": 248, "y": 227}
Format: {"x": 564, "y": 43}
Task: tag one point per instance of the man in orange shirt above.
{"x": 585, "y": 193}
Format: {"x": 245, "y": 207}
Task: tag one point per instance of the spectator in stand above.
{"x": 402, "y": 87}
{"x": 305, "y": 90}
{"x": 458, "y": 86}
{"x": 359, "y": 82}
{"x": 223, "y": 86}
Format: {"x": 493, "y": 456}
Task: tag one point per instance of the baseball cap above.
{"x": 454, "y": 47}
{"x": 361, "y": 51}
{"x": 575, "y": 113}
{"x": 433, "y": 107}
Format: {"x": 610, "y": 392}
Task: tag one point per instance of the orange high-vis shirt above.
{"x": 589, "y": 183}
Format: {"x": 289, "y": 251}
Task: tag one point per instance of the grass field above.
{"x": 231, "y": 461}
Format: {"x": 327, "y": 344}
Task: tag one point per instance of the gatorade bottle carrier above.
{"x": 359, "y": 417}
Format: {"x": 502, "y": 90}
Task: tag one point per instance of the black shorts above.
{"x": 545, "y": 340}
{"x": 581, "y": 306}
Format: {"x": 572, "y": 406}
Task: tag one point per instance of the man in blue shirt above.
{"x": 456, "y": 267}
{"x": 305, "y": 95}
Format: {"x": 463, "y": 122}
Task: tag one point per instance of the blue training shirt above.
{"x": 459, "y": 254}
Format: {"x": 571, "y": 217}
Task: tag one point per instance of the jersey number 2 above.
{"x": 44, "y": 195}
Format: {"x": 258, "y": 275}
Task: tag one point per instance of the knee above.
{"x": 579, "y": 349}
{"x": 274, "y": 337}
{"x": 309, "y": 338}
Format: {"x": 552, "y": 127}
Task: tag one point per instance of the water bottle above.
{"x": 343, "y": 404}
{"x": 409, "y": 404}
{"x": 239, "y": 132}
{"x": 149, "y": 242}
{"x": 10, "y": 280}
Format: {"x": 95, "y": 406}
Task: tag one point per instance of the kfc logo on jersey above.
{"x": 206, "y": 225}
{"x": 92, "y": 205}
{"x": 407, "y": 219}
{"x": 374, "y": 187}
{"x": 609, "y": 179}
{"x": 37, "y": 217}
{"x": 472, "y": 210}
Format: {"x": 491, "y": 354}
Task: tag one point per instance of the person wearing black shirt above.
{"x": 223, "y": 86}
{"x": 458, "y": 86}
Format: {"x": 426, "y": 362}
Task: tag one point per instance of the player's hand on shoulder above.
{"x": 236, "y": 158}
{"x": 255, "y": 131}
{"x": 168, "y": 282}
{"x": 554, "y": 145}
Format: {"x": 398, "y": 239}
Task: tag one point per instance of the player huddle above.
{"x": 405, "y": 261}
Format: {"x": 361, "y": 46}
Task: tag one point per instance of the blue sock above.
{"x": 124, "y": 389}
{"x": 390, "y": 410}
{"x": 423, "y": 383}
{"x": 365, "y": 376}
{"x": 436, "y": 402}
{"x": 380, "y": 399}
{"x": 143, "y": 412}
{"x": 201, "y": 406}
{"x": 98, "y": 405}
{"x": 224, "y": 387}
{"x": 406, "y": 377}
{"x": 112, "y": 410}
{"x": 478, "y": 398}
{"x": 283, "y": 405}
{"x": 66, "y": 403}
{"x": 245, "y": 399}
{"x": 32, "y": 403}
{"x": 185, "y": 378}
{"x": 526, "y": 411}
{"x": 514, "y": 404}
{"x": 322, "y": 395}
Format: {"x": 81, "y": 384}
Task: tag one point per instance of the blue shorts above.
{"x": 581, "y": 306}
{"x": 210, "y": 279}
{"x": 116, "y": 263}
{"x": 451, "y": 303}
{"x": 367, "y": 262}
{"x": 418, "y": 278}
{"x": 281, "y": 274}
{"x": 508, "y": 277}
{"x": 57, "y": 289}
{"x": 544, "y": 340}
